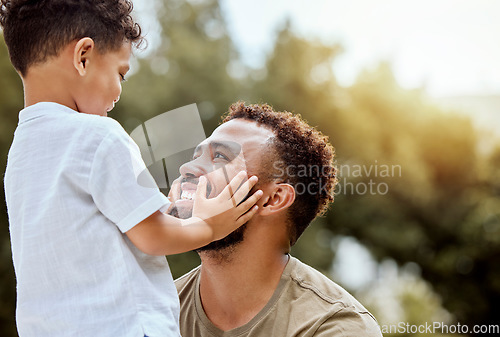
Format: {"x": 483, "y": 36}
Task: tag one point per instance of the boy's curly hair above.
{"x": 299, "y": 155}
{"x": 35, "y": 30}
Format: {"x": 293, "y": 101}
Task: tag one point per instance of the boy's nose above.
{"x": 116, "y": 100}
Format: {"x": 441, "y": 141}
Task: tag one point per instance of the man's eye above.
{"x": 218, "y": 155}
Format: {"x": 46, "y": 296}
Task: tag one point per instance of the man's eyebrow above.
{"x": 229, "y": 146}
{"x": 198, "y": 148}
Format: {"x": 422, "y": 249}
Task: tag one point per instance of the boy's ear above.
{"x": 280, "y": 198}
{"x": 82, "y": 53}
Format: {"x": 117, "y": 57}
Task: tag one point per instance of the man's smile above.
{"x": 188, "y": 191}
{"x": 188, "y": 188}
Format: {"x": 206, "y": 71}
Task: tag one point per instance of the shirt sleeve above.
{"x": 349, "y": 323}
{"x": 120, "y": 184}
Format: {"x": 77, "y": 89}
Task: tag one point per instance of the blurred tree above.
{"x": 192, "y": 64}
{"x": 434, "y": 202}
{"x": 404, "y": 304}
{"x": 299, "y": 78}
{"x": 436, "y": 210}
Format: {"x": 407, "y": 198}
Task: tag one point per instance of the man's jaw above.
{"x": 184, "y": 201}
{"x": 183, "y": 208}
{"x": 188, "y": 188}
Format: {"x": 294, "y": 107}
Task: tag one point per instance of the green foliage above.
{"x": 440, "y": 208}
{"x": 434, "y": 213}
{"x": 404, "y": 304}
{"x": 189, "y": 66}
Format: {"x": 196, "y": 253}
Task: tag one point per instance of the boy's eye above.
{"x": 123, "y": 79}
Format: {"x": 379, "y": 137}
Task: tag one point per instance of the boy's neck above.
{"x": 48, "y": 82}
{"x": 37, "y": 90}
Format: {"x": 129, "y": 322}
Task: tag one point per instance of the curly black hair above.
{"x": 300, "y": 155}
{"x": 35, "y": 30}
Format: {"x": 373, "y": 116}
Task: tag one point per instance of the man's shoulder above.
{"x": 316, "y": 294}
{"x": 188, "y": 280}
{"x": 313, "y": 281}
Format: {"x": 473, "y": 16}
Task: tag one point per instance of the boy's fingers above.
{"x": 175, "y": 188}
{"x": 247, "y": 216}
{"x": 251, "y": 201}
{"x": 201, "y": 189}
{"x": 228, "y": 191}
{"x": 244, "y": 189}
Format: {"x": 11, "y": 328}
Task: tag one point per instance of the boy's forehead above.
{"x": 125, "y": 50}
{"x": 121, "y": 55}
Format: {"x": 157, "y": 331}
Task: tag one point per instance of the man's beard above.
{"x": 223, "y": 246}
{"x": 221, "y": 249}
{"x": 227, "y": 244}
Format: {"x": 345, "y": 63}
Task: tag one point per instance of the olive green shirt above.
{"x": 306, "y": 303}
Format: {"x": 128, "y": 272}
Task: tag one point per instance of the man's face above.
{"x": 234, "y": 146}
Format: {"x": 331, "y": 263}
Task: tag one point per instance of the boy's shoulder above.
{"x": 100, "y": 125}
{"x": 61, "y": 118}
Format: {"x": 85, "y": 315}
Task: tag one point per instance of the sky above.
{"x": 451, "y": 47}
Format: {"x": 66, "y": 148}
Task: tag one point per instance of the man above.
{"x": 248, "y": 284}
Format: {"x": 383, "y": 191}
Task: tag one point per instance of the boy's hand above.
{"x": 175, "y": 189}
{"x": 226, "y": 212}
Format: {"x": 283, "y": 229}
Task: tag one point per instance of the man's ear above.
{"x": 281, "y": 197}
{"x": 82, "y": 53}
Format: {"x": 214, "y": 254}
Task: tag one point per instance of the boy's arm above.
{"x": 162, "y": 234}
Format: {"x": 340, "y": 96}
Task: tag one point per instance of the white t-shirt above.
{"x": 72, "y": 193}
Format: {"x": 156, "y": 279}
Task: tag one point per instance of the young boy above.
{"x": 87, "y": 239}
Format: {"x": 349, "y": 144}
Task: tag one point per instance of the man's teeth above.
{"x": 187, "y": 195}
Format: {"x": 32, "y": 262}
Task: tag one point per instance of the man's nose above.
{"x": 196, "y": 167}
